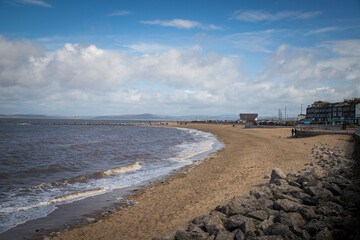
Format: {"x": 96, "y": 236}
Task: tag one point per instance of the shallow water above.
{"x": 45, "y": 166}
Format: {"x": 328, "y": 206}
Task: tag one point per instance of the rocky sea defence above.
{"x": 322, "y": 201}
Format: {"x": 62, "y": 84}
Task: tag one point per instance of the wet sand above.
{"x": 248, "y": 156}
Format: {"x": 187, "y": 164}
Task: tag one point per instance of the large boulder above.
{"x": 234, "y": 222}
{"x": 260, "y": 215}
{"x": 286, "y": 205}
{"x": 280, "y": 230}
{"x": 277, "y": 173}
{"x": 290, "y": 219}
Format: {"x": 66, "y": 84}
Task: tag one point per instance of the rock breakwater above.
{"x": 319, "y": 202}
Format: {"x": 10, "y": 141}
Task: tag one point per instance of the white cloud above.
{"x": 344, "y": 47}
{"x": 257, "y": 41}
{"x": 78, "y": 79}
{"x": 120, "y": 13}
{"x": 34, "y": 2}
{"x": 181, "y": 23}
{"x": 304, "y": 74}
{"x": 87, "y": 75}
{"x": 324, "y": 30}
{"x": 261, "y": 15}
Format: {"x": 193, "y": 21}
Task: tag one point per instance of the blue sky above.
{"x": 67, "y": 57}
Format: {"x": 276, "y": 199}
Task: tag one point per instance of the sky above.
{"x": 71, "y": 58}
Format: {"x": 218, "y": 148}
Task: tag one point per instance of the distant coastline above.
{"x": 143, "y": 117}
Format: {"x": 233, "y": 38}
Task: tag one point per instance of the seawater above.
{"x": 44, "y": 165}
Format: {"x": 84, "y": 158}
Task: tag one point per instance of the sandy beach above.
{"x": 248, "y": 156}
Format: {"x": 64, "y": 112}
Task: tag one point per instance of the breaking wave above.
{"x": 122, "y": 170}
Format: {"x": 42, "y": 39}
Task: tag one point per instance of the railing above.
{"x": 328, "y": 129}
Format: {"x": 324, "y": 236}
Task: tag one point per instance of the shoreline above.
{"x": 94, "y": 208}
{"x": 171, "y": 202}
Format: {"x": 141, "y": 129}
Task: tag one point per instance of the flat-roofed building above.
{"x": 346, "y": 111}
{"x": 248, "y": 116}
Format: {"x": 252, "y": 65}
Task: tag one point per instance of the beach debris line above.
{"x": 320, "y": 202}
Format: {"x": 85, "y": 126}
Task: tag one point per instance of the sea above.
{"x": 46, "y": 164}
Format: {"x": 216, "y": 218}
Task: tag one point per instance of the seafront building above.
{"x": 346, "y": 111}
{"x": 301, "y": 117}
{"x": 248, "y": 117}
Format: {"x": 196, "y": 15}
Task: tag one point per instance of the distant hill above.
{"x": 144, "y": 116}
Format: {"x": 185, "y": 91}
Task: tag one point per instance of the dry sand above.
{"x": 249, "y": 155}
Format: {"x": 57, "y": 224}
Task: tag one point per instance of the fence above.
{"x": 336, "y": 129}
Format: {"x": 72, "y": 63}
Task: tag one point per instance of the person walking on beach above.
{"x": 292, "y": 132}
{"x": 295, "y": 132}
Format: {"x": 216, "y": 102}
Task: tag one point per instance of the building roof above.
{"x": 248, "y": 116}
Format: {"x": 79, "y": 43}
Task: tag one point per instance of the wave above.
{"x": 77, "y": 195}
{"x": 122, "y": 170}
{"x": 189, "y": 151}
{"x": 24, "y": 124}
{"x": 71, "y": 197}
{"x": 102, "y": 174}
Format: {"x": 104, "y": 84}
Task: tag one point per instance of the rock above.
{"x": 263, "y": 193}
{"x": 314, "y": 226}
{"x": 320, "y": 193}
{"x": 269, "y": 237}
{"x": 266, "y": 223}
{"x": 234, "y": 222}
{"x": 339, "y": 234}
{"x": 224, "y": 235}
{"x": 239, "y": 235}
{"x": 258, "y": 233}
{"x": 296, "y": 230}
{"x": 290, "y": 219}
{"x": 278, "y": 195}
{"x": 213, "y": 224}
{"x": 311, "y": 201}
{"x": 329, "y": 209}
{"x": 286, "y": 189}
{"x": 184, "y": 235}
{"x": 192, "y": 232}
{"x": 280, "y": 182}
{"x": 333, "y": 188}
{"x": 277, "y": 174}
{"x": 235, "y": 207}
{"x": 286, "y": 205}
{"x": 324, "y": 234}
{"x": 305, "y": 235}
{"x": 300, "y": 195}
{"x": 316, "y": 173}
{"x": 199, "y": 221}
{"x": 307, "y": 212}
{"x": 218, "y": 214}
{"x": 295, "y": 184}
{"x": 248, "y": 226}
{"x": 260, "y": 215}
{"x": 281, "y": 230}
{"x": 306, "y": 178}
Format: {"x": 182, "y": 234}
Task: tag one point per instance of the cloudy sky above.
{"x": 65, "y": 57}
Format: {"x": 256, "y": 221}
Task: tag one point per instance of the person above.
{"x": 295, "y": 131}
{"x": 292, "y": 132}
